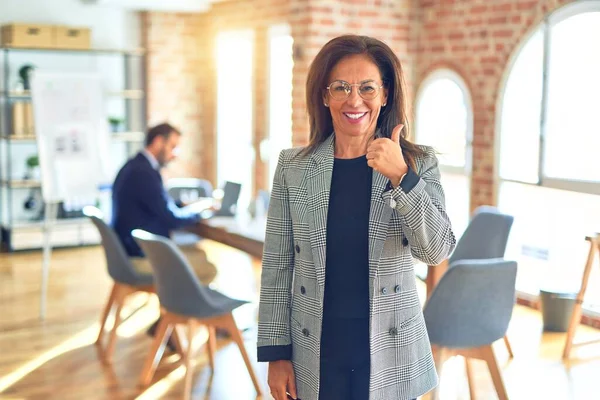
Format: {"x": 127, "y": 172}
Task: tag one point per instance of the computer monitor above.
{"x": 231, "y": 194}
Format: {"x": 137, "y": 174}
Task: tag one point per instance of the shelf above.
{"x": 20, "y": 138}
{"x": 131, "y": 52}
{"x": 128, "y": 136}
{"x": 117, "y": 136}
{"x": 22, "y": 183}
{"x": 40, "y": 224}
{"x": 133, "y": 94}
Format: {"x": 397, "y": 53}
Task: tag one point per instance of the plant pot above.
{"x": 116, "y": 128}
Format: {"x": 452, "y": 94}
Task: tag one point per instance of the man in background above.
{"x": 140, "y": 201}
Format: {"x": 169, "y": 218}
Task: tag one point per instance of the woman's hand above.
{"x": 282, "y": 379}
{"x": 385, "y": 156}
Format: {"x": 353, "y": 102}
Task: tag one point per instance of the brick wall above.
{"x": 473, "y": 37}
{"x": 312, "y": 24}
{"x": 176, "y": 91}
{"x": 476, "y": 39}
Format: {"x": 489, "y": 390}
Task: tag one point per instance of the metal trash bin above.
{"x": 557, "y": 307}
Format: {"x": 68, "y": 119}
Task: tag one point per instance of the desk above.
{"x": 244, "y": 234}
{"x": 248, "y": 235}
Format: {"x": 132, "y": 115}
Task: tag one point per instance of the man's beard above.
{"x": 162, "y": 158}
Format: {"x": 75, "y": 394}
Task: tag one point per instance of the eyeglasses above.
{"x": 340, "y": 90}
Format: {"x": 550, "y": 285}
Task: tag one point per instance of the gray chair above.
{"x": 486, "y": 237}
{"x": 185, "y": 301}
{"x": 126, "y": 279}
{"x": 469, "y": 310}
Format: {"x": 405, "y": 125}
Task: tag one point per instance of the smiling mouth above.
{"x": 355, "y": 116}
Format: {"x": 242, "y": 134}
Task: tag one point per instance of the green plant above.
{"x": 33, "y": 161}
{"x": 116, "y": 120}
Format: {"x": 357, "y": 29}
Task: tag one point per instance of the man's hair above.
{"x": 163, "y": 130}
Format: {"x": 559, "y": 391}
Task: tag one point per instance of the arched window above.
{"x": 444, "y": 120}
{"x": 549, "y": 139}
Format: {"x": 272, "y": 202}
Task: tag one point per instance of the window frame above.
{"x": 447, "y": 73}
{"x": 546, "y": 25}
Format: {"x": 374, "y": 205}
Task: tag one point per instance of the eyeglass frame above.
{"x": 328, "y": 88}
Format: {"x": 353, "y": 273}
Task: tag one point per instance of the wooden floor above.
{"x": 56, "y": 358}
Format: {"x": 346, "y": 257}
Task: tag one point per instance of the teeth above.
{"x": 354, "y": 116}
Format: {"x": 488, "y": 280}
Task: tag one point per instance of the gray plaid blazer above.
{"x": 294, "y": 257}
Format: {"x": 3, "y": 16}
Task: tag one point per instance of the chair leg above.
{"x": 470, "y": 378}
{"x": 211, "y": 346}
{"x": 163, "y": 332}
{"x": 237, "y": 338}
{"x": 106, "y": 312}
{"x": 120, "y": 296}
{"x": 189, "y": 370}
{"x": 490, "y": 358}
{"x": 577, "y": 308}
{"x": 508, "y": 347}
{"x": 178, "y": 338}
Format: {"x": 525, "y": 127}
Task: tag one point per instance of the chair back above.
{"x": 486, "y": 236}
{"x": 472, "y": 304}
{"x": 119, "y": 266}
{"x": 177, "y": 287}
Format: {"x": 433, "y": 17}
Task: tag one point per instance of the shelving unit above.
{"x": 22, "y": 229}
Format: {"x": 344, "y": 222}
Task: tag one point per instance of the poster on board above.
{"x": 72, "y": 134}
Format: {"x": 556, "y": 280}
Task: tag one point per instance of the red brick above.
{"x": 503, "y": 33}
{"x": 502, "y": 7}
{"x": 478, "y": 9}
{"x": 498, "y": 20}
{"x": 456, "y": 35}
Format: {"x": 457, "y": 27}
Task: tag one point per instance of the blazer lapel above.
{"x": 319, "y": 184}
{"x": 379, "y": 219}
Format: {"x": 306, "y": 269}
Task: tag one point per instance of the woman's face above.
{"x": 355, "y": 116}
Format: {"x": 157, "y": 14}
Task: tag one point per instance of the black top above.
{"x": 347, "y": 265}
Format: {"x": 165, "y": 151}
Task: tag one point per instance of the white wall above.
{"x": 111, "y": 27}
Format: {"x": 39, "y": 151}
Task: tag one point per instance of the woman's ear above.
{"x": 325, "y": 98}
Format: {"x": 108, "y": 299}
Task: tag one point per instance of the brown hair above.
{"x": 163, "y": 130}
{"x": 393, "y": 114}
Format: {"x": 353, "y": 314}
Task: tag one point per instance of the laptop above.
{"x": 231, "y": 194}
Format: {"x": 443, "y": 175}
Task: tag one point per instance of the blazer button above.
{"x": 297, "y": 249}
{"x": 302, "y": 290}
{"x": 383, "y": 290}
{"x": 397, "y": 289}
{"x": 305, "y": 332}
{"x": 393, "y": 331}
{"x": 404, "y": 242}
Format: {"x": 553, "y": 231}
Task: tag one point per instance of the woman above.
{"x": 339, "y": 312}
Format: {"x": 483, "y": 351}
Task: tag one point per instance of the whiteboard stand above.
{"x": 50, "y": 212}
{"x": 73, "y": 146}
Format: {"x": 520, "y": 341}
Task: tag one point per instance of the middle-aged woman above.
{"x": 339, "y": 313}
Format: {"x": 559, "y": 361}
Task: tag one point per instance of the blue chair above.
{"x": 469, "y": 310}
{"x": 127, "y": 280}
{"x": 185, "y": 301}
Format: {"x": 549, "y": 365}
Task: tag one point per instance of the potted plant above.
{"x": 33, "y": 167}
{"x": 116, "y": 124}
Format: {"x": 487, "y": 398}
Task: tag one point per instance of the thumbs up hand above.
{"x": 385, "y": 156}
